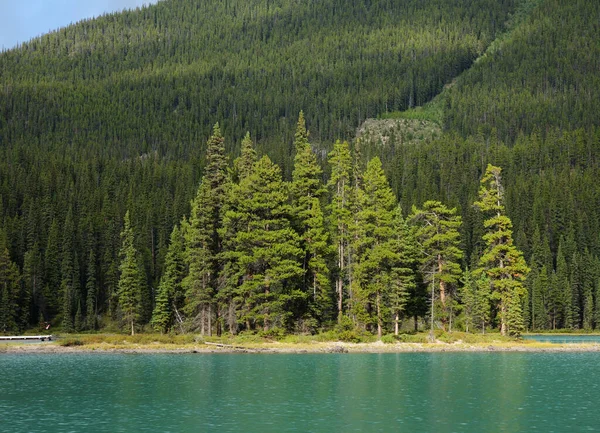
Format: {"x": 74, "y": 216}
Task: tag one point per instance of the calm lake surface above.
{"x": 424, "y": 392}
{"x": 563, "y": 339}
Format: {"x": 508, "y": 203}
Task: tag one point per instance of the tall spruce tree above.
{"x": 68, "y": 285}
{"x": 340, "y": 161}
{"x": 501, "y": 261}
{"x": 404, "y": 270}
{"x": 9, "y": 290}
{"x": 170, "y": 293}
{"x": 91, "y": 286}
{"x": 262, "y": 251}
{"x": 306, "y": 187}
{"x": 131, "y": 286}
{"x": 439, "y": 239}
{"x": 316, "y": 243}
{"x": 203, "y": 243}
{"x": 376, "y": 248}
{"x": 244, "y": 163}
{"x": 52, "y": 270}
{"x": 33, "y": 288}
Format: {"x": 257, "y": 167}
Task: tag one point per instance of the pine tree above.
{"x": 78, "y": 324}
{"x": 262, "y": 250}
{"x": 33, "y": 278}
{"x": 198, "y": 283}
{"x": 9, "y": 290}
{"x": 563, "y": 307}
{"x": 131, "y": 280}
{"x": 317, "y": 246}
{"x": 403, "y": 271}
{"x": 376, "y": 248}
{"x": 439, "y": 239}
{"x": 468, "y": 296}
{"x": 307, "y": 187}
{"x": 539, "y": 294}
{"x": 52, "y": 264}
{"x": 68, "y": 276}
{"x": 243, "y": 165}
{"x": 501, "y": 261}
{"x": 203, "y": 243}
{"x": 92, "y": 292}
{"x": 170, "y": 293}
{"x": 340, "y": 215}
{"x": 482, "y": 302}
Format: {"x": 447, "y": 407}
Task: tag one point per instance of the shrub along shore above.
{"x": 322, "y": 343}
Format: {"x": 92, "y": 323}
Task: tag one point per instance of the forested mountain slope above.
{"x": 542, "y": 76}
{"x": 157, "y": 78}
{"x": 529, "y": 104}
{"x": 113, "y": 114}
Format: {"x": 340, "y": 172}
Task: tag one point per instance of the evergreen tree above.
{"x": 52, "y": 265}
{"x": 439, "y": 240}
{"x": 317, "y": 246}
{"x": 262, "y": 250}
{"x": 33, "y": 288}
{"x": 243, "y": 165}
{"x": 9, "y": 291}
{"x": 131, "y": 280}
{"x": 307, "y": 187}
{"x": 539, "y": 295}
{"x": 68, "y": 285}
{"x": 376, "y": 248}
{"x": 203, "y": 243}
{"x": 562, "y": 310}
{"x": 468, "y": 296}
{"x": 340, "y": 216}
{"x": 170, "y": 293}
{"x": 92, "y": 292}
{"x": 501, "y": 261}
{"x": 483, "y": 297}
{"x": 404, "y": 270}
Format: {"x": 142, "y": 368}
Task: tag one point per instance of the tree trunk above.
{"x": 202, "y": 317}
{"x": 266, "y": 321}
{"x": 209, "y": 320}
{"x": 132, "y": 328}
{"x": 442, "y": 284}
{"x": 503, "y": 319}
{"x": 379, "y": 331}
{"x": 396, "y": 324}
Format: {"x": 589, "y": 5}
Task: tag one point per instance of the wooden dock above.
{"x": 27, "y": 337}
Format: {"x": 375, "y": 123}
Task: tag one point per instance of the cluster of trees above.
{"x": 113, "y": 114}
{"x": 261, "y": 253}
{"x": 257, "y": 252}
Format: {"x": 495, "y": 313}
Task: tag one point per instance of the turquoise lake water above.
{"x": 422, "y": 392}
{"x": 563, "y": 338}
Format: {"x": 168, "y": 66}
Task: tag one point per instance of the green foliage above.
{"x": 131, "y": 281}
{"x": 501, "y": 261}
{"x": 262, "y": 251}
{"x": 439, "y": 243}
{"x": 9, "y": 292}
{"x": 113, "y": 114}
{"x": 542, "y": 75}
{"x": 377, "y": 250}
{"x": 203, "y": 244}
{"x": 170, "y": 291}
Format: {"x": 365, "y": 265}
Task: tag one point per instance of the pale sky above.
{"x": 22, "y": 20}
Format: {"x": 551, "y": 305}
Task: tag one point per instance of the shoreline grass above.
{"x": 320, "y": 343}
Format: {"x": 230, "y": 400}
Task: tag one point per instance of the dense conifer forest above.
{"x": 155, "y": 174}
